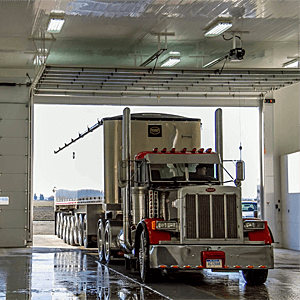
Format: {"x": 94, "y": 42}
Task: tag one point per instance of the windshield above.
{"x": 182, "y": 172}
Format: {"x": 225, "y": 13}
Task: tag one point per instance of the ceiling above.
{"x": 120, "y": 33}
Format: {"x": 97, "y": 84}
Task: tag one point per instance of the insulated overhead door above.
{"x": 14, "y": 209}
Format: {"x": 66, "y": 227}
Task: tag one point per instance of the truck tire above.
{"x": 255, "y": 277}
{"x": 143, "y": 258}
{"x": 80, "y": 230}
{"x": 106, "y": 248}
{"x": 100, "y": 240}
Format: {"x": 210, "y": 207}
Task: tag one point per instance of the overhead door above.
{"x": 14, "y": 139}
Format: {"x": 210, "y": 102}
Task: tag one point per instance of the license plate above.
{"x": 213, "y": 263}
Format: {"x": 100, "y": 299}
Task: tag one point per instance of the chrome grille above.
{"x": 210, "y": 216}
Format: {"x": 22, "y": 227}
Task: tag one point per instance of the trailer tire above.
{"x": 61, "y": 226}
{"x": 255, "y": 277}
{"x": 67, "y": 235}
{"x": 107, "y": 250}
{"x": 71, "y": 231}
{"x": 64, "y": 235}
{"x": 80, "y": 230}
{"x": 100, "y": 241}
{"x": 143, "y": 258}
{"x": 86, "y": 239}
{"x": 58, "y": 224}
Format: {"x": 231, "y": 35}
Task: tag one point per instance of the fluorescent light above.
{"x": 172, "y": 60}
{"x": 56, "y": 21}
{"x": 218, "y": 29}
{"x": 294, "y": 63}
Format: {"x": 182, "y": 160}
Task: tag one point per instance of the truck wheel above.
{"x": 255, "y": 277}
{"x": 72, "y": 230}
{"x": 100, "y": 241}
{"x": 144, "y": 265}
{"x": 75, "y": 229}
{"x": 80, "y": 230}
{"x": 106, "y": 248}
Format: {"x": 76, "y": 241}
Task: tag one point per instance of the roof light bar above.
{"x": 218, "y": 28}
{"x": 172, "y": 60}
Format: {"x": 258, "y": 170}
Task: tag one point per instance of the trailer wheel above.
{"x": 67, "y": 235}
{"x": 80, "y": 230}
{"x": 86, "y": 240}
{"x": 144, "y": 265}
{"x": 61, "y": 232}
{"x": 64, "y": 235}
{"x": 255, "y": 277}
{"x": 58, "y": 224}
{"x": 72, "y": 231}
{"x": 100, "y": 241}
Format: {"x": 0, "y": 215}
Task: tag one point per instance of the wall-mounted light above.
{"x": 172, "y": 60}
{"x": 294, "y": 63}
{"x": 218, "y": 26}
{"x": 56, "y": 21}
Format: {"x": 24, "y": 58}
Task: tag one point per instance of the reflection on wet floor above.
{"x": 57, "y": 273}
{"x": 63, "y": 275}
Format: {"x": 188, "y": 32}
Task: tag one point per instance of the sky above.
{"x": 55, "y": 125}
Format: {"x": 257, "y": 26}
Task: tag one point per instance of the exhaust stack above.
{"x": 126, "y": 144}
{"x": 219, "y": 140}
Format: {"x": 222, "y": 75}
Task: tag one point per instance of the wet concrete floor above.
{"x": 53, "y": 270}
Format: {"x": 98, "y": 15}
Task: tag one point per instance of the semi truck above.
{"x": 165, "y": 206}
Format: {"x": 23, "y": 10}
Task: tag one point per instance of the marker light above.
{"x": 164, "y": 150}
{"x": 201, "y": 150}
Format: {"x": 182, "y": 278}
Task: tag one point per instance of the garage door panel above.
{"x": 13, "y": 128}
{"x": 17, "y": 200}
{"x": 17, "y": 217}
{"x": 12, "y": 237}
{"x": 13, "y": 164}
{"x": 13, "y": 111}
{"x": 13, "y": 146}
{"x": 13, "y": 183}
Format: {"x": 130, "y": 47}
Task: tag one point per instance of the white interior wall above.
{"x": 286, "y": 141}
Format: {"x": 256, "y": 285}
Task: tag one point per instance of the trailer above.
{"x": 165, "y": 205}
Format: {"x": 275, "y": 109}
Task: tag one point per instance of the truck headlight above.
{"x": 254, "y": 225}
{"x": 166, "y": 225}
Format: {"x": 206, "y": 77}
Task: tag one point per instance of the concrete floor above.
{"x": 53, "y": 270}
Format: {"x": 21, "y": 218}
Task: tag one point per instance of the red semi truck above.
{"x": 165, "y": 205}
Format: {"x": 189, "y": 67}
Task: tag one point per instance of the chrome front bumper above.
{"x": 189, "y": 256}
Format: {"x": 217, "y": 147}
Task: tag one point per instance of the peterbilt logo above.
{"x": 154, "y": 131}
{"x": 210, "y": 190}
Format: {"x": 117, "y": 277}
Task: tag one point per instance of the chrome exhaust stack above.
{"x": 219, "y": 140}
{"x": 126, "y": 150}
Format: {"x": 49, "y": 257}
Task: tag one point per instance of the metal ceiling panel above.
{"x": 161, "y": 84}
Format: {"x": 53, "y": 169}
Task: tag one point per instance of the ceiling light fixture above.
{"x": 294, "y": 63}
{"x": 172, "y": 60}
{"x": 56, "y": 21}
{"x": 218, "y": 26}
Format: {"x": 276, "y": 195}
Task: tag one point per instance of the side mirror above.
{"x": 240, "y": 170}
